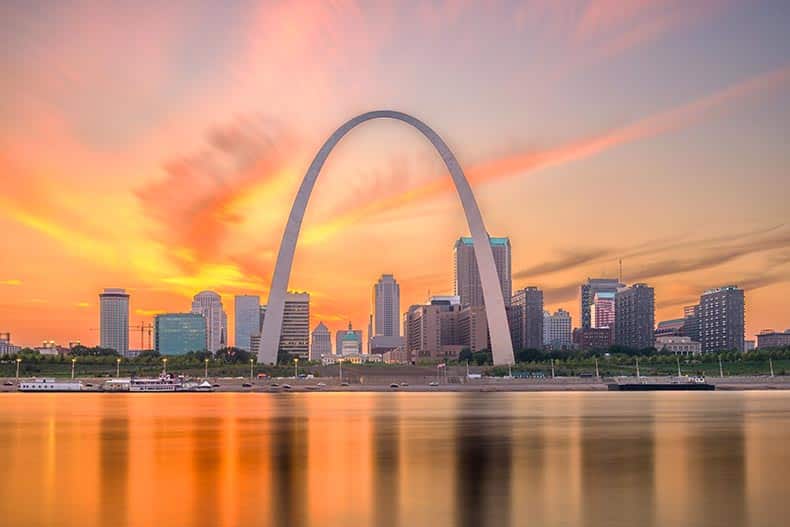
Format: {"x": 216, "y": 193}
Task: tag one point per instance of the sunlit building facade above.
{"x": 114, "y": 320}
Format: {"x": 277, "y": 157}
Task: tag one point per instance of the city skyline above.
{"x": 631, "y": 118}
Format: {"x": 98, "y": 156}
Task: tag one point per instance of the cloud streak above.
{"x": 520, "y": 163}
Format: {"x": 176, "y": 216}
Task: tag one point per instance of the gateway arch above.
{"x": 501, "y": 345}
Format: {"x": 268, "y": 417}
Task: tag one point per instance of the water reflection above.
{"x": 395, "y": 459}
{"x": 483, "y": 459}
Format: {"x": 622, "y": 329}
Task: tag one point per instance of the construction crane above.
{"x": 142, "y": 327}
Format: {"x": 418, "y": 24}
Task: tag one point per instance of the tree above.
{"x": 465, "y": 355}
{"x": 232, "y": 355}
{"x": 482, "y": 357}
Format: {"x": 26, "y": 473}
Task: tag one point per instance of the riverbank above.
{"x": 408, "y": 384}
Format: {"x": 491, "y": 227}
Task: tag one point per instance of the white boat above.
{"x": 160, "y": 384}
{"x": 50, "y": 385}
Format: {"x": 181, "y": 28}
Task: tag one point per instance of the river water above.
{"x": 407, "y": 459}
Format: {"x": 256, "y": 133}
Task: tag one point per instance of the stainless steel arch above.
{"x": 501, "y": 344}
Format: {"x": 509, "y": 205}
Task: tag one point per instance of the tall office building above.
{"x": 634, "y": 317}
{"x": 721, "y": 319}
{"x": 320, "y": 342}
{"x": 247, "y": 319}
{"x": 602, "y": 310}
{"x": 179, "y": 333}
{"x": 467, "y": 284}
{"x": 691, "y": 322}
{"x": 557, "y": 332}
{"x": 295, "y": 333}
{"x": 209, "y": 304}
{"x": 114, "y": 320}
{"x": 386, "y": 300}
{"x": 588, "y": 291}
{"x": 525, "y": 316}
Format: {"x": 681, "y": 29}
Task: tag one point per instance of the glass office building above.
{"x": 179, "y": 333}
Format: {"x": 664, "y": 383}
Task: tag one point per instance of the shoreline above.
{"x": 332, "y": 385}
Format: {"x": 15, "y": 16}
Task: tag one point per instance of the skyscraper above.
{"x": 179, "y": 333}
{"x": 721, "y": 319}
{"x": 602, "y": 310}
{"x": 588, "y": 290}
{"x": 295, "y": 334}
{"x": 247, "y": 319}
{"x": 209, "y": 304}
{"x": 557, "y": 332}
{"x": 321, "y": 342}
{"x": 634, "y": 317}
{"x": 467, "y": 276}
{"x": 386, "y": 300}
{"x": 526, "y": 318}
{"x": 114, "y": 320}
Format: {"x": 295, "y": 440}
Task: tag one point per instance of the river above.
{"x": 395, "y": 459}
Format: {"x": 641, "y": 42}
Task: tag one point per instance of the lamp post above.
{"x": 251, "y": 362}
{"x": 18, "y": 360}
{"x": 597, "y": 372}
{"x": 340, "y": 365}
{"x": 296, "y": 367}
{"x": 117, "y": 367}
{"x": 205, "y": 368}
{"x": 164, "y": 363}
{"x": 73, "y": 362}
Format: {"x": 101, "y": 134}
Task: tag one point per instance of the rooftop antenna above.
{"x": 620, "y": 278}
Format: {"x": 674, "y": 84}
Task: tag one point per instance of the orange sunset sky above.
{"x": 157, "y": 148}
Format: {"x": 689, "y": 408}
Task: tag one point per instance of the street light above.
{"x": 296, "y": 367}
{"x": 73, "y": 362}
{"x": 118, "y": 367}
{"x": 164, "y": 362}
{"x": 18, "y": 360}
{"x": 251, "y": 361}
{"x": 340, "y": 364}
{"x": 205, "y": 371}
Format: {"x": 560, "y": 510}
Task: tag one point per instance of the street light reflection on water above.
{"x": 408, "y": 459}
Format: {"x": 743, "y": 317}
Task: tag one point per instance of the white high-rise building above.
{"x": 557, "y": 331}
{"x": 209, "y": 304}
{"x": 295, "y": 333}
{"x": 386, "y": 300}
{"x": 247, "y": 319}
{"x": 114, "y": 320}
{"x": 321, "y": 342}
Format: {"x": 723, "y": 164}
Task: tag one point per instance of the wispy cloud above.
{"x": 12, "y": 282}
{"x": 521, "y": 163}
{"x": 193, "y": 204}
{"x": 568, "y": 260}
